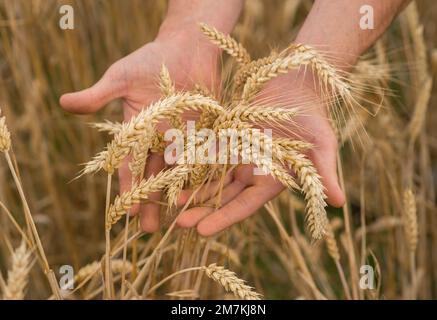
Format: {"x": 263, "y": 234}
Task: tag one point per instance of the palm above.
{"x": 134, "y": 80}
{"x": 244, "y": 193}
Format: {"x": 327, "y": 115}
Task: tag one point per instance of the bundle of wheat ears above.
{"x": 138, "y": 136}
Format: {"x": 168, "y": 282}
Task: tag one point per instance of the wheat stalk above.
{"x": 18, "y": 274}
{"x": 231, "y": 282}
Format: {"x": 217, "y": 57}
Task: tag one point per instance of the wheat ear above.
{"x": 5, "y": 135}
{"x": 18, "y": 275}
{"x": 410, "y": 220}
{"x": 165, "y": 83}
{"x": 231, "y": 282}
{"x": 117, "y": 266}
{"x": 123, "y": 142}
{"x": 108, "y": 126}
{"x": 227, "y": 43}
{"x": 167, "y": 88}
{"x": 140, "y": 192}
{"x": 331, "y": 244}
{"x": 311, "y": 186}
{"x": 330, "y": 78}
{"x": 266, "y": 73}
{"x": 246, "y": 71}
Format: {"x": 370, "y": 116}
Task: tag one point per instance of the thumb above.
{"x": 324, "y": 157}
{"x": 94, "y": 98}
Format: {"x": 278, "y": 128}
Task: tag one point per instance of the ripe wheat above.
{"x": 18, "y": 275}
{"x": 231, "y": 282}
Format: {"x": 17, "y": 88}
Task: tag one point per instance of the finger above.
{"x": 208, "y": 190}
{"x": 325, "y": 161}
{"x": 244, "y": 205}
{"x": 92, "y": 99}
{"x": 150, "y": 211}
{"x": 191, "y": 217}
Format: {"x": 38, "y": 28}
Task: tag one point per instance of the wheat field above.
{"x": 60, "y": 205}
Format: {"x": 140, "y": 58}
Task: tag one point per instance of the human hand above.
{"x": 244, "y": 193}
{"x": 190, "y": 59}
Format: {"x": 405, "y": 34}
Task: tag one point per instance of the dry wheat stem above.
{"x": 108, "y": 271}
{"x": 143, "y": 272}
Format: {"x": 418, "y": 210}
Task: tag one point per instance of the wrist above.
{"x": 186, "y": 33}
